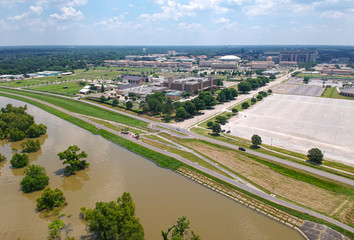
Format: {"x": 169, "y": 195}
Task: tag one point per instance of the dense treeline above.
{"x": 16, "y": 124}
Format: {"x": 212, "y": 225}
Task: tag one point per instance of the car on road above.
{"x": 242, "y": 149}
{"x": 228, "y": 131}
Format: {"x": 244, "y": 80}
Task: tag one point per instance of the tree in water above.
{"x": 72, "y": 157}
{"x": 180, "y": 231}
{"x": 114, "y": 220}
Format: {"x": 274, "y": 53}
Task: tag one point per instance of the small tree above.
{"x": 2, "y": 157}
{"x": 269, "y": 91}
{"x": 253, "y": 100}
{"x": 216, "y": 128}
{"x": 210, "y": 124}
{"x": 115, "y": 102}
{"x": 19, "y": 160}
{"x": 221, "y": 119}
{"x": 272, "y": 77}
{"x": 315, "y": 155}
{"x": 306, "y": 79}
{"x": 102, "y": 88}
{"x": 31, "y": 146}
{"x": 181, "y": 113}
{"x": 245, "y": 105}
{"x": 259, "y": 97}
{"x": 51, "y": 199}
{"x": 234, "y": 110}
{"x": 179, "y": 231}
{"x": 35, "y": 179}
{"x": 72, "y": 158}
{"x": 129, "y": 105}
{"x": 103, "y": 99}
{"x": 55, "y": 228}
{"x": 256, "y": 141}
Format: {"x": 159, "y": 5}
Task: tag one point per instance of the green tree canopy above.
{"x": 129, "y": 105}
{"x": 114, "y": 220}
{"x": 256, "y": 140}
{"x": 72, "y": 158}
{"x": 115, "y": 102}
{"x": 35, "y": 179}
{"x": 216, "y": 128}
{"x": 180, "y": 231}
{"x": 31, "y": 146}
{"x": 50, "y": 199}
{"x": 19, "y": 160}
{"x": 315, "y": 155}
{"x": 245, "y": 105}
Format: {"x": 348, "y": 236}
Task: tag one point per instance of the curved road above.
{"x": 208, "y": 171}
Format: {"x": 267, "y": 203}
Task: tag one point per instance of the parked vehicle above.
{"x": 242, "y": 149}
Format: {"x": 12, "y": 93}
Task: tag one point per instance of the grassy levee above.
{"x": 73, "y": 120}
{"x": 291, "y": 211}
{"x": 239, "y": 142}
{"x": 81, "y": 108}
{"x": 166, "y": 161}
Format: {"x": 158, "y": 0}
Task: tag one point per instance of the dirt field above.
{"x": 303, "y": 193}
{"x": 300, "y": 123}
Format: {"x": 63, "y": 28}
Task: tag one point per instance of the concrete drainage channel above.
{"x": 309, "y": 230}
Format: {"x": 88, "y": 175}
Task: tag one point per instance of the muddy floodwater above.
{"x": 160, "y": 195}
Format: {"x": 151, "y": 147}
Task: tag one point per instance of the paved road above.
{"x": 208, "y": 171}
{"x": 185, "y": 131}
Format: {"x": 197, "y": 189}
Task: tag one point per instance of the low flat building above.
{"x": 190, "y": 84}
{"x": 174, "y": 95}
{"x": 133, "y": 79}
{"x": 347, "y": 91}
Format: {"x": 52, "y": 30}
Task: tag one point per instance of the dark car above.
{"x": 228, "y": 131}
{"x": 242, "y": 149}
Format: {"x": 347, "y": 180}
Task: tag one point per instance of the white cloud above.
{"x": 61, "y": 3}
{"x": 333, "y": 14}
{"x": 18, "y": 17}
{"x": 36, "y": 9}
{"x": 131, "y": 5}
{"x": 190, "y": 26}
{"x": 172, "y": 9}
{"x": 3, "y": 25}
{"x": 68, "y": 13}
{"x": 226, "y": 23}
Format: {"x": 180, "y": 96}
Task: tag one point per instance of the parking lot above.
{"x": 300, "y": 123}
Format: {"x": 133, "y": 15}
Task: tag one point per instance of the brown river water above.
{"x": 160, "y": 195}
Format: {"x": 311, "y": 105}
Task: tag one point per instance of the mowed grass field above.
{"x": 333, "y": 93}
{"x": 81, "y": 108}
{"x": 67, "y": 87}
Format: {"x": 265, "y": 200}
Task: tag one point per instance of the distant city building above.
{"x": 287, "y": 64}
{"x": 190, "y": 84}
{"x": 133, "y": 79}
{"x": 257, "y": 65}
{"x": 300, "y": 56}
{"x": 152, "y": 64}
{"x": 336, "y": 71}
{"x": 171, "y": 52}
{"x": 225, "y": 65}
{"x": 229, "y": 58}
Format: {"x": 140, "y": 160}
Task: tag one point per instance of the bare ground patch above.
{"x": 297, "y": 191}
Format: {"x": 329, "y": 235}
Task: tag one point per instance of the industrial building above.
{"x": 134, "y": 79}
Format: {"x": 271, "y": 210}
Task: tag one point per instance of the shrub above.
{"x": 19, "y": 160}
{"x": 210, "y": 124}
{"x": 2, "y": 157}
{"x": 35, "y": 179}
{"x": 50, "y": 199}
{"x": 245, "y": 105}
{"x": 31, "y": 146}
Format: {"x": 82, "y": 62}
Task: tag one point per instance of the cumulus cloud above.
{"x": 36, "y": 9}
{"x": 225, "y": 22}
{"x": 172, "y": 9}
{"x": 67, "y": 13}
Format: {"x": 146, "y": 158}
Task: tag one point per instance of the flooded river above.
{"x": 160, "y": 195}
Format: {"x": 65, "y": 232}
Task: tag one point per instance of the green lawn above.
{"x": 81, "y": 108}
{"x": 333, "y": 93}
{"x": 67, "y": 87}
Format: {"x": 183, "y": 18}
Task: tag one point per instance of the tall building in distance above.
{"x": 300, "y": 56}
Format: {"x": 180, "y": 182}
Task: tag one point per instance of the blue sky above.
{"x": 176, "y": 22}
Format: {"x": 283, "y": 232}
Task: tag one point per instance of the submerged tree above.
{"x": 35, "y": 179}
{"x": 114, "y": 220}
{"x": 31, "y": 146}
{"x": 19, "y": 160}
{"x": 180, "y": 231}
{"x": 51, "y": 199}
{"x": 72, "y": 158}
